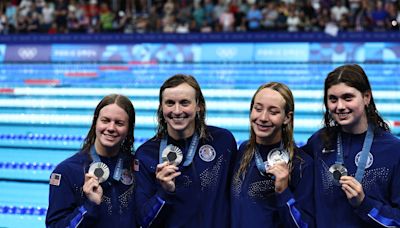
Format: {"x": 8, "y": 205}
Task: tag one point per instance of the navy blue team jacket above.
{"x": 381, "y": 182}
{"x": 255, "y": 202}
{"x": 68, "y": 206}
{"x": 201, "y": 198}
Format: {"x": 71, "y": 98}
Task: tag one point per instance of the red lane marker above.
{"x": 42, "y": 81}
{"x": 114, "y": 68}
{"x": 396, "y": 123}
{"x": 81, "y": 74}
{"x": 6, "y": 90}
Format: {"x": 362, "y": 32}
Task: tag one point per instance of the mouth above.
{"x": 263, "y": 127}
{"x": 343, "y": 115}
{"x": 110, "y": 137}
{"x": 177, "y": 118}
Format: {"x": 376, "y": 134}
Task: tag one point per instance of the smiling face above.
{"x": 179, "y": 109}
{"x": 347, "y": 107}
{"x": 111, "y": 129}
{"x": 268, "y": 115}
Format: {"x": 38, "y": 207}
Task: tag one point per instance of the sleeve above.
{"x": 151, "y": 201}
{"x": 386, "y": 214}
{"x": 64, "y": 208}
{"x": 296, "y": 205}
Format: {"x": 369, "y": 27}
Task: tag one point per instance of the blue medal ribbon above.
{"x": 369, "y": 137}
{"x": 118, "y": 168}
{"x": 190, "y": 154}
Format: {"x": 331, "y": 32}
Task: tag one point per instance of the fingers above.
{"x": 91, "y": 183}
{"x": 351, "y": 183}
{"x": 92, "y": 188}
{"x": 281, "y": 172}
{"x": 353, "y": 190}
{"x": 279, "y": 169}
{"x": 166, "y": 172}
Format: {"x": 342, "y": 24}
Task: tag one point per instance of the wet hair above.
{"x": 287, "y": 129}
{"x": 124, "y": 103}
{"x": 354, "y": 76}
{"x": 175, "y": 81}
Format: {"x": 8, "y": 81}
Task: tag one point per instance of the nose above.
{"x": 340, "y": 104}
{"x": 264, "y": 116}
{"x": 177, "y": 109}
{"x": 111, "y": 126}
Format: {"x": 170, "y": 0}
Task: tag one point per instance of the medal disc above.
{"x": 100, "y": 170}
{"x": 172, "y": 154}
{"x": 277, "y": 155}
{"x": 338, "y": 171}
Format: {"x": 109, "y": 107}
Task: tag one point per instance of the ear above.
{"x": 367, "y": 97}
{"x": 288, "y": 118}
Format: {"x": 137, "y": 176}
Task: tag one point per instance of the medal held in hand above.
{"x": 338, "y": 170}
{"x": 276, "y": 155}
{"x": 100, "y": 170}
{"x": 172, "y": 154}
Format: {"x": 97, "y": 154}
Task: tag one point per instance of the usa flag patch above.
{"x": 55, "y": 179}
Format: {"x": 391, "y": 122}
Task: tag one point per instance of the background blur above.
{"x": 59, "y": 58}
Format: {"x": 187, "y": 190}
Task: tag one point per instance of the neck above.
{"x": 270, "y": 140}
{"x": 105, "y": 152}
{"x": 179, "y": 135}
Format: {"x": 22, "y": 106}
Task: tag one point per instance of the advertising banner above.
{"x": 227, "y": 52}
{"x": 76, "y": 53}
{"x": 28, "y": 53}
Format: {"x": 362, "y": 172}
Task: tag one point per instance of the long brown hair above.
{"x": 287, "y": 129}
{"x": 354, "y": 76}
{"x": 175, "y": 81}
{"x": 124, "y": 103}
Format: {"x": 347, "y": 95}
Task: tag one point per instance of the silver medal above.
{"x": 338, "y": 171}
{"x": 172, "y": 154}
{"x": 277, "y": 155}
{"x": 100, "y": 170}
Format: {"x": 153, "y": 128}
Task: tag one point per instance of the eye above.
{"x": 120, "y": 123}
{"x": 169, "y": 103}
{"x": 332, "y": 99}
{"x": 185, "y": 103}
{"x": 104, "y": 120}
{"x": 257, "y": 108}
{"x": 348, "y": 98}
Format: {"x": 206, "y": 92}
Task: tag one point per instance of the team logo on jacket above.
{"x": 370, "y": 160}
{"x": 207, "y": 153}
{"x": 127, "y": 177}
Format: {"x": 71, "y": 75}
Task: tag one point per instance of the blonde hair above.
{"x": 287, "y": 129}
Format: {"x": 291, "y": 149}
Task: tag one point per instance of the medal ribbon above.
{"x": 190, "y": 154}
{"x": 369, "y": 137}
{"x": 118, "y": 168}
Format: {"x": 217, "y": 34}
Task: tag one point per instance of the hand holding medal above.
{"x": 165, "y": 174}
{"x": 167, "y": 171}
{"x": 92, "y": 188}
{"x": 353, "y": 189}
{"x": 280, "y": 171}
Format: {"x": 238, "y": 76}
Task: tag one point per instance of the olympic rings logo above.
{"x": 27, "y": 53}
{"x": 226, "y": 53}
